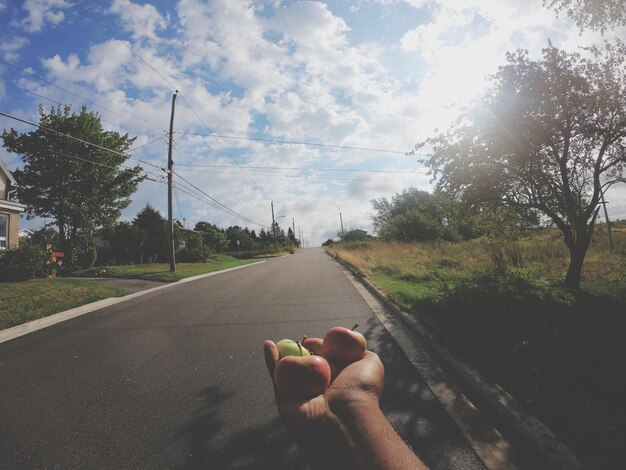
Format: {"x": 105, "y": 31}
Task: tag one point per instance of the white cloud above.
{"x": 10, "y": 49}
{"x": 228, "y": 37}
{"x": 106, "y": 66}
{"x": 40, "y": 12}
{"x": 291, "y": 70}
{"x": 143, "y": 21}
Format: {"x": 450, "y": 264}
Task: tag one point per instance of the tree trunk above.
{"x": 577, "y": 253}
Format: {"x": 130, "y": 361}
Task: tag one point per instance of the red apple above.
{"x": 302, "y": 377}
{"x": 343, "y": 346}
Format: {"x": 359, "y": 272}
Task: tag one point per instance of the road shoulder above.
{"x": 453, "y": 382}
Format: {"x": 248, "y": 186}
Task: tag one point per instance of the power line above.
{"x": 146, "y": 63}
{"x": 185, "y": 190}
{"x": 126, "y": 168}
{"x": 47, "y": 98}
{"x": 77, "y": 139}
{"x": 232, "y": 211}
{"x": 365, "y": 170}
{"x": 93, "y": 103}
{"x": 146, "y": 144}
{"x": 219, "y": 142}
{"x": 310, "y": 176}
{"x": 294, "y": 142}
{"x": 128, "y": 46}
{"x": 180, "y": 213}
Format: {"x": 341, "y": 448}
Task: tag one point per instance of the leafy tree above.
{"x": 82, "y": 187}
{"x": 411, "y": 215}
{"x": 213, "y": 238}
{"x": 126, "y": 241}
{"x": 354, "y": 235}
{"x": 593, "y": 14}
{"x": 235, "y": 233}
{"x": 155, "y": 247}
{"x": 549, "y": 136}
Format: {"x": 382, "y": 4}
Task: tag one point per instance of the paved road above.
{"x": 176, "y": 378}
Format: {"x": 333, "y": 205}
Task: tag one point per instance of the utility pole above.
{"x": 300, "y": 236}
{"x": 274, "y": 228}
{"x": 341, "y": 220}
{"x": 293, "y": 227}
{"x": 606, "y": 216}
{"x": 170, "y": 215}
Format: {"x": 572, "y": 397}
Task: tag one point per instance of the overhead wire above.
{"x": 126, "y": 168}
{"x": 93, "y": 103}
{"x": 224, "y": 206}
{"x": 201, "y": 198}
{"x": 357, "y": 170}
{"x": 294, "y": 142}
{"x": 91, "y": 14}
{"x": 309, "y": 176}
{"x": 219, "y": 142}
{"x": 25, "y": 121}
{"x": 47, "y": 98}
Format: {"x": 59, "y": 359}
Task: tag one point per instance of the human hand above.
{"x": 358, "y": 384}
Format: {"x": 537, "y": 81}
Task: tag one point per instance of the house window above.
{"x": 4, "y": 231}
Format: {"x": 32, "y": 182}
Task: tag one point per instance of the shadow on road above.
{"x": 260, "y": 447}
{"x": 415, "y": 412}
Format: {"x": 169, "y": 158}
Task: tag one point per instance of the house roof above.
{"x": 4, "y": 170}
{"x": 12, "y": 206}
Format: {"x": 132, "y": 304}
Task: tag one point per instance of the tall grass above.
{"x": 500, "y": 306}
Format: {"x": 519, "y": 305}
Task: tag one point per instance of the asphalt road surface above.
{"x": 176, "y": 378}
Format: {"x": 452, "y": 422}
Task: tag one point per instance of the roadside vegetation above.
{"x": 500, "y": 305}
{"x": 21, "y": 302}
{"x": 161, "y": 271}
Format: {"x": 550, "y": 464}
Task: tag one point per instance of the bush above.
{"x": 23, "y": 263}
{"x": 193, "y": 255}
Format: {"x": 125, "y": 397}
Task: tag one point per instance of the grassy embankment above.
{"x": 161, "y": 271}
{"x": 21, "y": 302}
{"x": 24, "y": 301}
{"x": 500, "y": 307}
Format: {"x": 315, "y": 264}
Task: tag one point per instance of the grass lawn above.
{"x": 500, "y": 307}
{"x": 21, "y": 302}
{"x": 161, "y": 271}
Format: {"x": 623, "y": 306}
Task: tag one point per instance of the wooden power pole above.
{"x": 170, "y": 164}
{"x": 341, "y": 220}
{"x": 274, "y": 228}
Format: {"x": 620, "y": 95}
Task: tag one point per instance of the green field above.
{"x": 24, "y": 301}
{"x": 500, "y": 307}
{"x": 161, "y": 271}
{"x": 21, "y": 302}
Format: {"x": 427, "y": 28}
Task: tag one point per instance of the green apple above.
{"x": 288, "y": 347}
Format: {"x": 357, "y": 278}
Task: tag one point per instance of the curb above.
{"x": 519, "y": 426}
{"x": 29, "y": 327}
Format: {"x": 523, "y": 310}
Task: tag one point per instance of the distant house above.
{"x": 9, "y": 210}
{"x": 25, "y": 233}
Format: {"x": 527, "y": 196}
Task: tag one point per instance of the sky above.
{"x": 360, "y": 82}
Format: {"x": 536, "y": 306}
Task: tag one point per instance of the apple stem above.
{"x": 355, "y": 327}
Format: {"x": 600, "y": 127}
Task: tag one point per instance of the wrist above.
{"x": 355, "y": 408}
{"x": 328, "y": 446}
